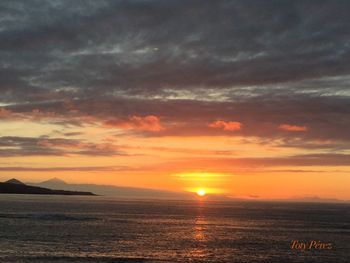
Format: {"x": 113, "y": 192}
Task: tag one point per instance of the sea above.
{"x": 99, "y": 229}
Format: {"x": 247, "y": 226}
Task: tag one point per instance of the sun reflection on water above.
{"x": 199, "y": 229}
{"x": 200, "y": 237}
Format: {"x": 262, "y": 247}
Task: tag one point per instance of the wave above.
{"x": 50, "y": 217}
{"x": 58, "y": 259}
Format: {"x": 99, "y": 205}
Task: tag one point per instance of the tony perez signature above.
{"x": 310, "y": 245}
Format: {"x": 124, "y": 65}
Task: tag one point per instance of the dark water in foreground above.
{"x": 95, "y": 229}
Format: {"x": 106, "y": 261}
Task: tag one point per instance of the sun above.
{"x": 201, "y": 192}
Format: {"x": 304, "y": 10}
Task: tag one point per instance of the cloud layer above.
{"x": 275, "y": 70}
{"x": 11, "y": 146}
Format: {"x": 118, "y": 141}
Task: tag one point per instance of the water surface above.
{"x": 98, "y": 229}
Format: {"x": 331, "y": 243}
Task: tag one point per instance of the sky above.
{"x": 242, "y": 98}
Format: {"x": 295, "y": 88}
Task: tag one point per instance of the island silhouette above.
{"x": 14, "y": 186}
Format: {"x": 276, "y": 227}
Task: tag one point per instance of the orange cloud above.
{"x": 226, "y": 125}
{"x": 4, "y": 113}
{"x": 292, "y": 128}
{"x": 147, "y": 123}
{"x": 35, "y": 115}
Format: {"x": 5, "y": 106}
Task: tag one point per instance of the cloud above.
{"x": 158, "y": 49}
{"x": 33, "y": 114}
{"x": 183, "y": 62}
{"x": 4, "y": 113}
{"x": 255, "y": 164}
{"x": 11, "y": 146}
{"x": 226, "y": 125}
{"x": 71, "y": 169}
{"x": 292, "y": 128}
{"x": 306, "y": 143}
{"x": 147, "y": 123}
{"x": 68, "y": 134}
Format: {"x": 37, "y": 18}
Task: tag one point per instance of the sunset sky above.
{"x": 241, "y": 98}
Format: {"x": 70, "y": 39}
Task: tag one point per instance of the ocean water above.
{"x": 98, "y": 229}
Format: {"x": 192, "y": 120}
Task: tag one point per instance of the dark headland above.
{"x": 14, "y": 186}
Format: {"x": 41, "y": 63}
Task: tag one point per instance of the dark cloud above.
{"x": 299, "y": 160}
{"x": 148, "y": 47}
{"x": 25, "y": 146}
{"x": 260, "y": 164}
{"x": 72, "y": 133}
{"x": 259, "y": 63}
{"x": 60, "y": 169}
{"x": 333, "y": 145}
{"x": 11, "y": 146}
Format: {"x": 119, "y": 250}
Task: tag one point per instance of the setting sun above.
{"x": 201, "y": 192}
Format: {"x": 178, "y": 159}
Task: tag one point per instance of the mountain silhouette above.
{"x": 15, "y": 186}
{"x": 115, "y": 191}
{"x": 54, "y": 183}
{"x": 14, "y": 181}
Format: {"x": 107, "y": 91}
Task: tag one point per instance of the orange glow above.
{"x": 231, "y": 166}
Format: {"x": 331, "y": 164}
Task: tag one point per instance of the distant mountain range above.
{"x": 14, "y": 186}
{"x": 14, "y": 181}
{"x": 115, "y": 191}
